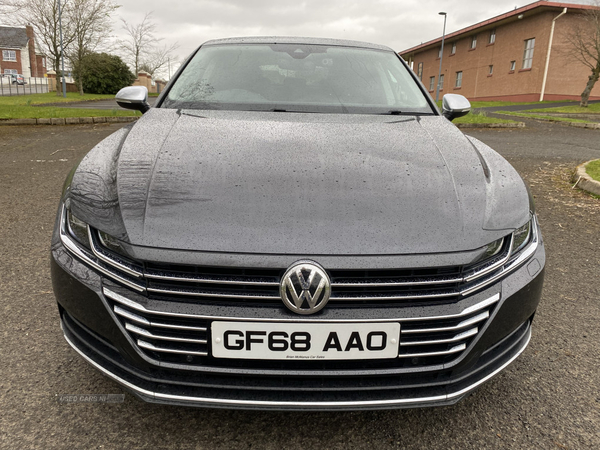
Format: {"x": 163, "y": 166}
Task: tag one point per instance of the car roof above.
{"x": 296, "y": 40}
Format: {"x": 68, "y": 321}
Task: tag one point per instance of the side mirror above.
{"x": 454, "y": 105}
{"x": 133, "y": 97}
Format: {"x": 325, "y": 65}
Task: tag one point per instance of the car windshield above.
{"x": 297, "y": 78}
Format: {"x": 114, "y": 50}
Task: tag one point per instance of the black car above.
{"x": 295, "y": 225}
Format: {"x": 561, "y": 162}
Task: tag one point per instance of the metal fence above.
{"x": 23, "y": 86}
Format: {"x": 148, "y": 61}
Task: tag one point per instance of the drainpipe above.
{"x": 564, "y": 11}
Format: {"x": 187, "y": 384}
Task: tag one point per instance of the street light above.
{"x": 437, "y": 90}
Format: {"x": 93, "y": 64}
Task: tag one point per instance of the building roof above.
{"x": 527, "y": 10}
{"x": 13, "y": 37}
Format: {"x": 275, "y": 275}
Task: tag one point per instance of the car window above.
{"x": 291, "y": 77}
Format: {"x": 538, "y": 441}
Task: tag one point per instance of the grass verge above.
{"x": 543, "y": 117}
{"x": 593, "y": 169}
{"x": 594, "y": 108}
{"x": 46, "y": 112}
{"x": 480, "y": 118}
{"x": 49, "y": 98}
{"x": 28, "y": 107}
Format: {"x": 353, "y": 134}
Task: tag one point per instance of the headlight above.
{"x": 78, "y": 229}
{"x": 493, "y": 248}
{"x": 110, "y": 242}
{"x": 521, "y": 237}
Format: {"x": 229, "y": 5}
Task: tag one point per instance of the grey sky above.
{"x": 397, "y": 23}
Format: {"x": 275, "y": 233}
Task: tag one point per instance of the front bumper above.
{"x": 90, "y": 304}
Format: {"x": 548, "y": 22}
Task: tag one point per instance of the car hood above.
{"x": 307, "y": 184}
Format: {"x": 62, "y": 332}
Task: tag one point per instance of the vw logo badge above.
{"x": 305, "y": 288}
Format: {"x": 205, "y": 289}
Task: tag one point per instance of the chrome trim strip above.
{"x": 131, "y": 304}
{"x": 232, "y": 402}
{"x": 154, "y": 276}
{"x": 74, "y": 249}
{"x": 455, "y": 349}
{"x": 149, "y": 346}
{"x": 460, "y": 326}
{"x": 213, "y": 295}
{"x": 148, "y": 334}
{"x": 399, "y": 283}
{"x": 393, "y": 297}
{"x": 133, "y": 317}
{"x": 458, "y": 337}
{"x": 142, "y": 321}
{"x": 106, "y": 259}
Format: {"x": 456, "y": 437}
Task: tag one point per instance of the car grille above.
{"x": 261, "y": 286}
{"x": 185, "y": 338}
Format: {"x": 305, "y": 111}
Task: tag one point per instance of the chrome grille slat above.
{"x": 154, "y": 348}
{"x": 206, "y": 280}
{"x": 150, "y": 335}
{"x": 213, "y": 294}
{"x": 453, "y": 350}
{"x": 422, "y": 338}
{"x": 459, "y": 337}
{"x": 464, "y": 324}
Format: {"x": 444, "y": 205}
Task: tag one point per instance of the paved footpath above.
{"x": 547, "y": 399}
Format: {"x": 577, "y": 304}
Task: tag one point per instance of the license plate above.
{"x": 306, "y": 341}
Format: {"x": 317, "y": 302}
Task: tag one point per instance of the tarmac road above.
{"x": 547, "y": 399}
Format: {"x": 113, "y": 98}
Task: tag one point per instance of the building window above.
{"x": 431, "y": 83}
{"x": 441, "y": 82}
{"x": 9, "y": 55}
{"x": 420, "y": 71}
{"x": 512, "y": 66}
{"x": 492, "y": 38}
{"x": 473, "y": 42}
{"x": 440, "y": 52}
{"x": 453, "y": 51}
{"x": 528, "y": 53}
{"x": 10, "y": 72}
{"x": 44, "y": 63}
{"x": 491, "y": 70}
{"x": 458, "y": 80}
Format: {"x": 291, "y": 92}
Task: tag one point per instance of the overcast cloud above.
{"x": 399, "y": 24}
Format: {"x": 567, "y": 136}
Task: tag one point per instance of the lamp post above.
{"x": 62, "y": 53}
{"x": 437, "y": 90}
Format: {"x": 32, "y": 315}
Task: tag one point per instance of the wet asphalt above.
{"x": 547, "y": 399}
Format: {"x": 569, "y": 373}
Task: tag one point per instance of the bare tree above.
{"x": 158, "y": 58}
{"x": 140, "y": 40}
{"x": 142, "y": 49}
{"x": 44, "y": 18}
{"x": 91, "y": 27}
{"x": 584, "y": 39}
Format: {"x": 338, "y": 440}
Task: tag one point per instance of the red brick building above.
{"x": 18, "y": 54}
{"x": 507, "y": 57}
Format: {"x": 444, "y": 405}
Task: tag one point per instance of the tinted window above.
{"x": 306, "y": 78}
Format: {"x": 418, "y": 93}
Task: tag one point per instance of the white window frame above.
{"x": 440, "y": 52}
{"x": 491, "y": 69}
{"x": 441, "y": 82}
{"x": 473, "y": 42}
{"x": 458, "y": 82}
{"x": 11, "y": 72}
{"x": 513, "y": 66}
{"x": 528, "y": 53}
{"x": 431, "y": 83}
{"x": 420, "y": 71}
{"x": 453, "y": 51}
{"x": 492, "y": 37}
{"x": 6, "y": 55}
